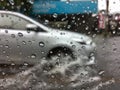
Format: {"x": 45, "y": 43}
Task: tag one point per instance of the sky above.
{"x": 114, "y": 5}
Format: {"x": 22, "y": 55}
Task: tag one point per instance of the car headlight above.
{"x": 83, "y": 42}
{"x": 80, "y": 41}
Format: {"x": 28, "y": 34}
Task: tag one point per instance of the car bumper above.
{"x": 87, "y": 53}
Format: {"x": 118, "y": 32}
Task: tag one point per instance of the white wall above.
{"x": 114, "y": 5}
{"x": 101, "y": 4}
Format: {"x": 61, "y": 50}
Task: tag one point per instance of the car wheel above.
{"x": 58, "y": 58}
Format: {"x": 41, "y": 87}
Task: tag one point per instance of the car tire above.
{"x": 58, "y": 58}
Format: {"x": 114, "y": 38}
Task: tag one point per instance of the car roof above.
{"x": 9, "y": 12}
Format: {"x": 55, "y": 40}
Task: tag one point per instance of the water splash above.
{"x": 66, "y": 75}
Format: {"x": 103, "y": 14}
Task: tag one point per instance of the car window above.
{"x": 9, "y": 21}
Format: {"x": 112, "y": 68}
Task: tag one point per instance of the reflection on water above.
{"x": 54, "y": 75}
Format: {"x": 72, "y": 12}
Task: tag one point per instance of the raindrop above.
{"x": 22, "y": 3}
{"x": 113, "y": 44}
{"x": 20, "y": 34}
{"x": 41, "y": 44}
{"x": 68, "y": 2}
{"x": 4, "y": 51}
{"x": 12, "y": 64}
{"x": 13, "y": 35}
{"x": 83, "y": 47}
{"x": 42, "y": 52}
{"x": 101, "y": 72}
{"x": 114, "y": 2}
{"x": 28, "y": 31}
{"x": 6, "y": 31}
{"x": 1, "y": 45}
{"x": 83, "y": 21}
{"x": 94, "y": 35}
{"x": 71, "y": 42}
{"x": 87, "y": 28}
{"x": 7, "y": 56}
{"x": 52, "y": 76}
{"x": 3, "y": 73}
{"x": 59, "y": 54}
{"x": 79, "y": 50}
{"x": 46, "y": 21}
{"x": 6, "y": 46}
{"x": 24, "y": 42}
{"x": 18, "y": 46}
{"x": 73, "y": 46}
{"x": 51, "y": 52}
{"x": 55, "y": 15}
{"x": 114, "y": 32}
{"x": 115, "y": 49}
{"x": 30, "y": 42}
{"x": 11, "y": 2}
{"x": 62, "y": 33}
{"x": 26, "y": 64}
{"x": 69, "y": 26}
{"x": 20, "y": 53}
{"x": 33, "y": 56}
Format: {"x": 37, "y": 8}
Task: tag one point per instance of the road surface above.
{"x": 34, "y": 78}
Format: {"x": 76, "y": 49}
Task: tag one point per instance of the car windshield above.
{"x": 59, "y": 44}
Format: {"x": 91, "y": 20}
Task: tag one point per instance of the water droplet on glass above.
{"x": 30, "y": 42}
{"x": 46, "y": 21}
{"x": 13, "y": 35}
{"x": 12, "y": 64}
{"x": 83, "y": 47}
{"x": 4, "y": 51}
{"x": 1, "y": 45}
{"x": 42, "y": 52}
{"x": 3, "y": 73}
{"x": 41, "y": 44}
{"x": 55, "y": 15}
{"x": 28, "y": 31}
{"x": 18, "y": 46}
{"x": 73, "y": 46}
{"x": 7, "y": 56}
{"x": 68, "y": 1}
{"x": 24, "y": 42}
{"x": 94, "y": 35}
{"x": 6, "y": 46}
{"x": 115, "y": 49}
{"x": 6, "y": 31}
{"x": 83, "y": 21}
{"x": 20, "y": 53}
{"x": 33, "y": 56}
{"x": 26, "y": 64}
{"x": 101, "y": 72}
{"x": 62, "y": 33}
{"x": 20, "y": 34}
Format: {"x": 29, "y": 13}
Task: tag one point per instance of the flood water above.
{"x": 51, "y": 75}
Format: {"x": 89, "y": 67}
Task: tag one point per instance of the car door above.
{"x": 17, "y": 44}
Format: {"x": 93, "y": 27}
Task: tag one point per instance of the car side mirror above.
{"x": 32, "y": 27}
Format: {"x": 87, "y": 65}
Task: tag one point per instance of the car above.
{"x": 24, "y": 40}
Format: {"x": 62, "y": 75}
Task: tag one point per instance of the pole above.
{"x": 107, "y": 7}
{"x": 107, "y": 17}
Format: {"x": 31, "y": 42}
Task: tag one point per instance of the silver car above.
{"x": 23, "y": 40}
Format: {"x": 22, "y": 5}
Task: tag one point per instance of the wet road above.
{"x": 34, "y": 78}
{"x": 108, "y": 59}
